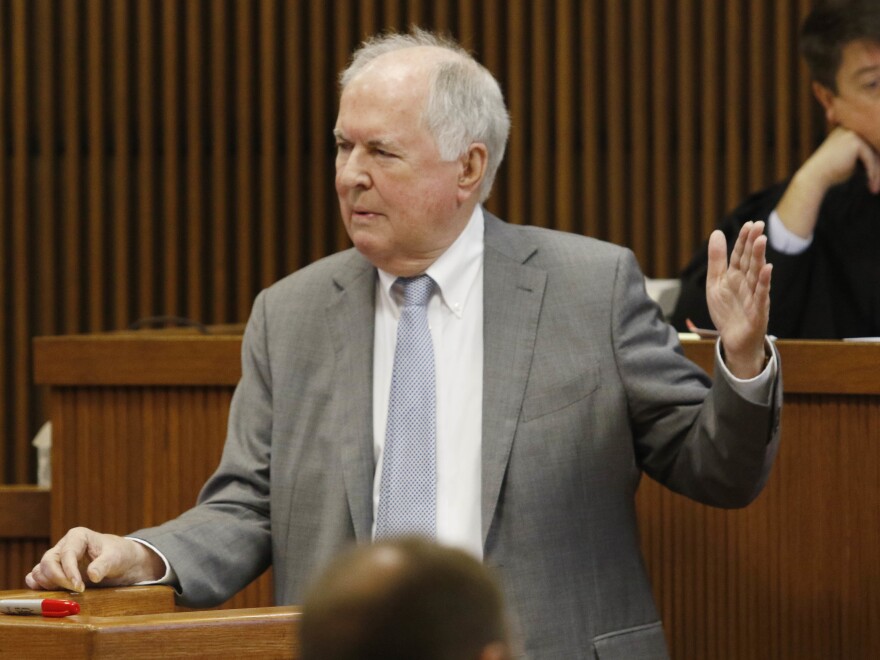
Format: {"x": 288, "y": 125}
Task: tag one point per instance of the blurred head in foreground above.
{"x": 404, "y": 599}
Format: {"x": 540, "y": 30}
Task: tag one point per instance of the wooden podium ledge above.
{"x": 113, "y": 624}
{"x": 177, "y": 356}
{"x": 814, "y": 367}
{"x": 186, "y": 357}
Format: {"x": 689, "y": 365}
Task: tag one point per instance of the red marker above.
{"x": 45, "y": 606}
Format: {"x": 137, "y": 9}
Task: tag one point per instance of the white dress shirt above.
{"x": 455, "y": 316}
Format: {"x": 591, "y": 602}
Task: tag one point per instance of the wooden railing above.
{"x": 140, "y": 622}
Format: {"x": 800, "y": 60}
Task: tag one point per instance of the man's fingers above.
{"x": 762, "y": 291}
{"x": 99, "y": 568}
{"x": 717, "y": 257}
{"x": 757, "y": 262}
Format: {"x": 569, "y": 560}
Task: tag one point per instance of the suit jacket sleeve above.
{"x": 222, "y": 544}
{"x": 721, "y": 456}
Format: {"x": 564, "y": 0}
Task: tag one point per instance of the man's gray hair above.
{"x": 464, "y": 104}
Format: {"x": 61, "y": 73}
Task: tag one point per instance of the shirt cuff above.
{"x": 782, "y": 239}
{"x": 755, "y": 390}
{"x": 170, "y": 577}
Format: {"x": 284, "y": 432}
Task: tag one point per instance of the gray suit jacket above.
{"x": 584, "y": 388}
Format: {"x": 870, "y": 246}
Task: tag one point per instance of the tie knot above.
{"x": 416, "y": 290}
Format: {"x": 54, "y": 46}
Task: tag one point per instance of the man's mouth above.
{"x": 364, "y": 213}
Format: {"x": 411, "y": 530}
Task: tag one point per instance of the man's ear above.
{"x": 826, "y": 97}
{"x": 472, "y": 169}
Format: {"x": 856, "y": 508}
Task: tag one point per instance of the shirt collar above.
{"x": 456, "y": 270}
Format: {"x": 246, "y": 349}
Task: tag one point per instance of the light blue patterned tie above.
{"x": 408, "y": 493}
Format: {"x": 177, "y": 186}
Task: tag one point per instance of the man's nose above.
{"x": 354, "y": 170}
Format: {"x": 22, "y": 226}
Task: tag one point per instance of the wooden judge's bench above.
{"x": 140, "y": 418}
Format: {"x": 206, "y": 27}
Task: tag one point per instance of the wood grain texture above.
{"x": 255, "y": 633}
{"x": 109, "y": 601}
{"x": 24, "y": 531}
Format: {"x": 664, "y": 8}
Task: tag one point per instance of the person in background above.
{"x": 404, "y": 599}
{"x": 823, "y": 224}
{"x": 548, "y": 381}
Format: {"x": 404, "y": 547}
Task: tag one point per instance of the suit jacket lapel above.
{"x": 351, "y": 314}
{"x": 512, "y": 295}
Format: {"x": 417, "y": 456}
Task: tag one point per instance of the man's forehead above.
{"x": 861, "y": 57}
{"x": 413, "y": 59}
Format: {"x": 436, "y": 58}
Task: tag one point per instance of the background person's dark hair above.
{"x": 829, "y": 28}
{"x": 402, "y": 599}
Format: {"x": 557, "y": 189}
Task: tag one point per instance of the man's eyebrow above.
{"x": 376, "y": 143}
{"x": 381, "y": 143}
{"x": 871, "y": 68}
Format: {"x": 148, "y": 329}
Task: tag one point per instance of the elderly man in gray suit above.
{"x": 554, "y": 384}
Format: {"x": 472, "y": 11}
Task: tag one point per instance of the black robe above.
{"x": 830, "y": 291}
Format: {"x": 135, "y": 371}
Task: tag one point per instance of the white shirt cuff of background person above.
{"x": 170, "y": 577}
{"x": 782, "y": 240}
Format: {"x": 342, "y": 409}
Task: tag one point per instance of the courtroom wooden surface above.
{"x": 108, "y": 601}
{"x": 139, "y": 622}
{"x": 795, "y": 574}
{"x": 792, "y": 576}
{"x": 24, "y": 531}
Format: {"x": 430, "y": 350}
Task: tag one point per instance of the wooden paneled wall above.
{"x": 172, "y": 157}
{"x": 24, "y": 532}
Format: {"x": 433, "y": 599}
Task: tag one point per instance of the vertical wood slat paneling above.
{"x": 269, "y": 125}
{"x": 686, "y": 125}
{"x": 592, "y": 180}
{"x": 146, "y": 196}
{"x": 8, "y": 441}
{"x": 194, "y": 218}
{"x": 294, "y": 220}
{"x": 97, "y": 191}
{"x": 637, "y": 131}
{"x": 120, "y": 186}
{"x": 710, "y": 118}
{"x": 734, "y": 79}
{"x": 44, "y": 174}
{"x": 171, "y": 172}
{"x": 517, "y": 59}
{"x": 22, "y": 301}
{"x": 660, "y": 241}
{"x": 800, "y": 561}
{"x": 318, "y": 133}
{"x": 539, "y": 63}
{"x": 615, "y": 114}
{"x": 785, "y": 51}
{"x": 244, "y": 179}
{"x": 758, "y": 97}
{"x": 219, "y": 188}
{"x": 562, "y": 182}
